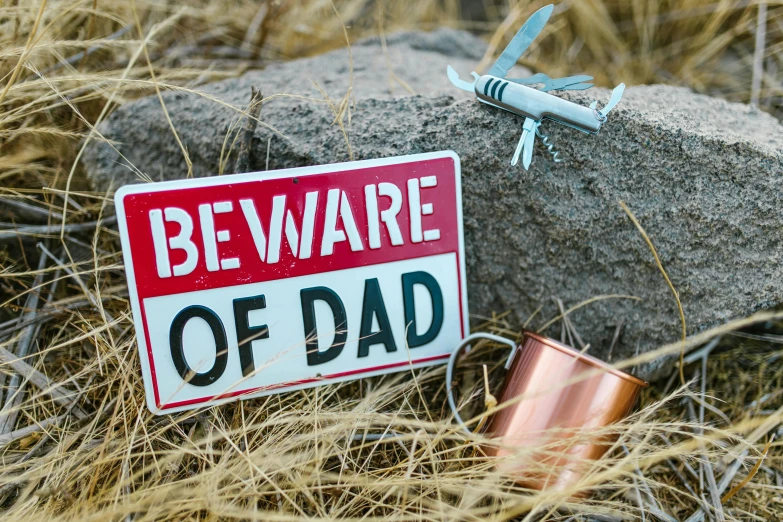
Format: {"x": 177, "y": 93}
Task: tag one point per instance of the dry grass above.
{"x": 79, "y": 443}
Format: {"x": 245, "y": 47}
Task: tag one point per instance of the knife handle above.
{"x": 532, "y": 103}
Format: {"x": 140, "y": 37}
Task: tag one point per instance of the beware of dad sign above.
{"x": 253, "y": 284}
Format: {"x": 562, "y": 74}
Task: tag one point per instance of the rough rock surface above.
{"x": 702, "y": 175}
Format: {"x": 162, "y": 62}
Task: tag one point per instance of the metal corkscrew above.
{"x": 550, "y": 147}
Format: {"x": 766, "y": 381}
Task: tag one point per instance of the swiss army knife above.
{"x": 517, "y": 95}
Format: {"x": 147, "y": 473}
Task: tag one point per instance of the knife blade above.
{"x": 525, "y": 143}
{"x": 617, "y": 93}
{"x": 554, "y": 84}
{"x": 521, "y": 41}
{"x": 527, "y": 155}
{"x": 567, "y": 83}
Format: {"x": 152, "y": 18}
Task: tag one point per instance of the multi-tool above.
{"x": 515, "y": 95}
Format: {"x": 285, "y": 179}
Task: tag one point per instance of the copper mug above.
{"x": 557, "y": 397}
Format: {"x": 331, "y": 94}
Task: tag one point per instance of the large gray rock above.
{"x": 702, "y": 175}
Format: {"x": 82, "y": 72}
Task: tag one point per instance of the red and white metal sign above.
{"x": 252, "y": 284}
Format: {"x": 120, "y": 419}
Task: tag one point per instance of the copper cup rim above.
{"x": 589, "y": 359}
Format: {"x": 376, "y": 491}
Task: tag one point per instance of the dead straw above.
{"x": 668, "y": 282}
{"x": 752, "y": 473}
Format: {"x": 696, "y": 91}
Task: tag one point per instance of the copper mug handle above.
{"x": 453, "y": 363}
